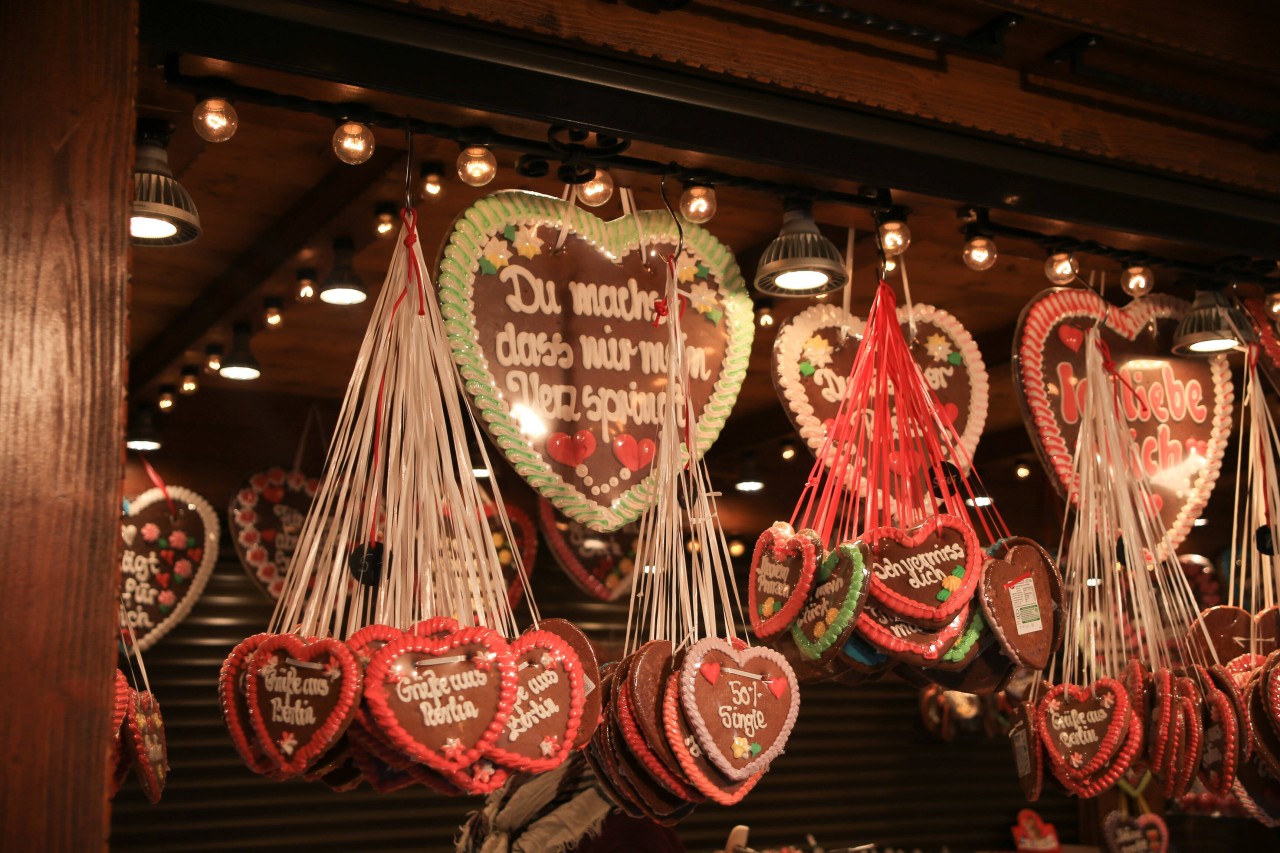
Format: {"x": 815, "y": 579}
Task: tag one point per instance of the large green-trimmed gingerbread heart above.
{"x": 563, "y": 348}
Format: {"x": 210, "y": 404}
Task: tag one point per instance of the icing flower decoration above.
{"x": 686, "y": 268}
{"x": 951, "y": 583}
{"x": 817, "y": 351}
{"x": 1107, "y": 700}
{"x": 528, "y": 243}
{"x": 182, "y": 569}
{"x": 496, "y": 253}
{"x": 480, "y": 660}
{"x": 741, "y": 747}
{"x": 167, "y": 599}
{"x": 547, "y": 661}
{"x": 178, "y": 539}
{"x": 296, "y": 480}
{"x": 484, "y": 771}
{"x": 452, "y": 748}
{"x": 1077, "y": 760}
{"x": 767, "y": 607}
{"x": 248, "y": 497}
{"x": 150, "y": 532}
{"x": 833, "y": 613}
{"x": 246, "y": 516}
{"x": 332, "y": 671}
{"x": 1055, "y": 706}
{"x": 702, "y": 298}
{"x": 549, "y": 745}
{"x": 288, "y": 743}
{"x": 938, "y": 347}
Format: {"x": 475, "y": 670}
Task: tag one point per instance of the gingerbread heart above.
{"x": 835, "y": 599}
{"x": 741, "y": 716}
{"x": 1082, "y": 728}
{"x": 381, "y": 776}
{"x": 167, "y": 560}
{"x": 639, "y": 708}
{"x": 586, "y": 653}
{"x": 234, "y": 701}
{"x": 144, "y": 742}
{"x": 526, "y": 542}
{"x": 1028, "y": 751}
{"x": 705, "y": 776}
{"x": 906, "y": 641}
{"x": 302, "y": 694}
{"x": 813, "y": 355}
{"x": 1021, "y": 597}
{"x": 563, "y": 352}
{"x": 782, "y": 569}
{"x": 265, "y": 517}
{"x": 1146, "y": 833}
{"x": 601, "y": 564}
{"x": 671, "y": 779}
{"x": 926, "y": 574}
{"x": 1178, "y": 408}
{"x": 543, "y": 724}
{"x": 442, "y": 701}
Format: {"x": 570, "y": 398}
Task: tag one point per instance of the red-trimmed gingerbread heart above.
{"x": 743, "y": 718}
{"x": 586, "y": 653}
{"x": 782, "y": 569}
{"x": 1222, "y": 740}
{"x": 234, "y": 702}
{"x": 144, "y": 741}
{"x": 906, "y": 641}
{"x": 1082, "y": 728}
{"x": 926, "y": 574}
{"x": 1146, "y": 833}
{"x": 442, "y": 701}
{"x": 265, "y": 516}
{"x": 543, "y": 724}
{"x": 601, "y": 564}
{"x": 698, "y": 769}
{"x": 1223, "y": 633}
{"x": 302, "y": 695}
{"x": 646, "y": 753}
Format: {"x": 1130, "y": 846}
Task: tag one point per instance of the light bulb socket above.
{"x": 1212, "y": 326}
{"x": 163, "y": 212}
{"x": 800, "y": 248}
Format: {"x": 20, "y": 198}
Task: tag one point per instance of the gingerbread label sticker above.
{"x": 926, "y": 574}
{"x": 813, "y": 355}
{"x": 563, "y": 348}
{"x": 835, "y": 598}
{"x": 168, "y": 557}
{"x": 442, "y": 701}
{"x": 741, "y": 704}
{"x": 266, "y": 515}
{"x": 544, "y": 719}
{"x": 782, "y": 569}
{"x": 1179, "y": 409}
{"x": 601, "y": 564}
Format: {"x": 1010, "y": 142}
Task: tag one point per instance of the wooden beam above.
{"x": 65, "y": 166}
{"x": 246, "y": 273}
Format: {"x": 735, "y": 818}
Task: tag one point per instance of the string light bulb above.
{"x": 788, "y": 451}
{"x": 737, "y": 548}
{"x": 385, "y": 218}
{"x": 1137, "y": 281}
{"x": 979, "y": 253}
{"x": 306, "y": 291}
{"x": 477, "y": 166}
{"x": 215, "y": 120}
{"x": 353, "y": 142}
{"x": 431, "y": 183}
{"x": 190, "y": 380}
{"x": 240, "y": 364}
{"x": 764, "y": 313}
{"x": 166, "y": 398}
{"x": 1061, "y": 268}
{"x": 213, "y": 358}
{"x": 1022, "y": 470}
{"x": 1273, "y": 306}
{"x": 273, "y": 312}
{"x": 698, "y": 203}
{"x": 596, "y": 191}
{"x": 895, "y": 237}
{"x": 890, "y": 265}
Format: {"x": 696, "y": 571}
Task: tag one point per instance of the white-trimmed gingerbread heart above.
{"x": 265, "y": 516}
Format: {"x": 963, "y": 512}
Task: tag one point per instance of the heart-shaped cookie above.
{"x": 1178, "y": 408}
{"x": 601, "y": 564}
{"x": 302, "y": 694}
{"x": 543, "y": 724}
{"x": 1021, "y": 596}
{"x": 926, "y": 574}
{"x": 265, "y": 517}
{"x": 740, "y": 703}
{"x": 646, "y": 753}
{"x": 1082, "y": 728}
{"x": 835, "y": 599}
{"x": 1223, "y": 740}
{"x": 234, "y": 701}
{"x": 562, "y": 347}
{"x": 698, "y": 769}
{"x": 526, "y": 542}
{"x": 442, "y": 701}
{"x": 1028, "y": 751}
{"x": 167, "y": 560}
{"x": 782, "y": 569}
{"x": 144, "y": 742}
{"x": 586, "y": 653}
{"x": 1223, "y": 633}
{"x": 814, "y": 351}
{"x": 1144, "y": 833}
{"x": 906, "y": 641}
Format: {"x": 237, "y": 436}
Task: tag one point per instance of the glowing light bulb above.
{"x": 353, "y": 142}
{"x": 737, "y": 548}
{"x": 272, "y": 312}
{"x": 1137, "y": 281}
{"x": 1273, "y": 305}
{"x": 979, "y": 253}
{"x": 788, "y": 451}
{"x": 477, "y": 166}
{"x": 698, "y": 204}
{"x": 166, "y": 398}
{"x": 895, "y": 237}
{"x": 385, "y": 221}
{"x": 306, "y": 285}
{"x": 801, "y": 279}
{"x": 1061, "y": 268}
{"x": 1022, "y": 471}
{"x": 190, "y": 380}
{"x": 890, "y": 265}
{"x": 596, "y": 191}
{"x": 432, "y": 185}
{"x": 215, "y": 120}
{"x": 213, "y": 358}
{"x": 765, "y": 316}
{"x": 150, "y": 228}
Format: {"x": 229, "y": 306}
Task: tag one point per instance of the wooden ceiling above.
{"x": 272, "y": 199}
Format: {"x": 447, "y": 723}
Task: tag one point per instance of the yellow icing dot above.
{"x": 951, "y": 583}
{"x": 504, "y": 556}
{"x": 498, "y": 539}
{"x": 832, "y": 615}
{"x": 819, "y": 629}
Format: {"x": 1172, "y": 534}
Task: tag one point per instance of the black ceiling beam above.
{"x": 404, "y": 53}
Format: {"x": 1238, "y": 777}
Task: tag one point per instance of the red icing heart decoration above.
{"x": 167, "y": 560}
{"x": 234, "y": 701}
{"x": 927, "y": 574}
{"x": 526, "y": 542}
{"x": 698, "y": 769}
{"x": 710, "y": 671}
{"x": 543, "y": 724}
{"x": 265, "y": 516}
{"x": 782, "y": 570}
{"x": 634, "y": 455}
{"x": 144, "y": 742}
{"x": 1173, "y": 404}
{"x": 1082, "y": 728}
{"x": 442, "y": 701}
{"x": 571, "y": 450}
{"x": 301, "y": 695}
{"x": 813, "y": 355}
{"x": 601, "y": 564}
{"x": 739, "y": 721}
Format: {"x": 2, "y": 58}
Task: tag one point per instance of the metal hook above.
{"x": 408, "y": 168}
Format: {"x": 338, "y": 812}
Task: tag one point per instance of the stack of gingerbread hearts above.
{"x": 393, "y": 656}
{"x": 882, "y": 567}
{"x": 137, "y": 726}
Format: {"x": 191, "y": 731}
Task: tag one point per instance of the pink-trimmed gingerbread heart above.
{"x": 302, "y": 695}
{"x": 782, "y": 569}
{"x": 442, "y": 701}
{"x": 926, "y": 574}
{"x": 543, "y": 723}
{"x": 740, "y": 721}
{"x": 698, "y": 769}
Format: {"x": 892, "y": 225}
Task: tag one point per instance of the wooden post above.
{"x": 66, "y": 157}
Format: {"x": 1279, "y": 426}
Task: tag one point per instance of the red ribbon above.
{"x": 1109, "y": 364}
{"x": 159, "y": 484}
